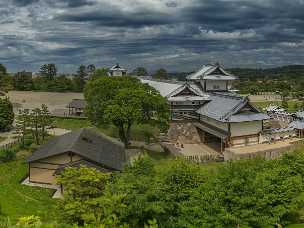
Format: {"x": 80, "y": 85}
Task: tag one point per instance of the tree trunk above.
{"x": 122, "y": 134}
{"x": 128, "y": 133}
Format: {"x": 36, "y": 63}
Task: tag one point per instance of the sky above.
{"x": 179, "y": 35}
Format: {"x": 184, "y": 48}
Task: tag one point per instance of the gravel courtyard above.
{"x": 30, "y": 100}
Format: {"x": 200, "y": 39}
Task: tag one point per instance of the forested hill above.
{"x": 284, "y": 72}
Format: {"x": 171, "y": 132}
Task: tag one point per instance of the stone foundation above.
{"x": 184, "y": 132}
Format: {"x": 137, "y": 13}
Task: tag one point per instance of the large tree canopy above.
{"x": 175, "y": 193}
{"x": 124, "y": 101}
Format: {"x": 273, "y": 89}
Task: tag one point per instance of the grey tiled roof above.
{"x": 206, "y": 72}
{"x": 220, "y": 106}
{"x": 77, "y": 103}
{"x": 188, "y": 98}
{"x": 164, "y": 88}
{"x": 117, "y": 68}
{"x": 219, "y": 77}
{"x": 87, "y": 143}
{"x": 192, "y": 87}
{"x": 246, "y": 117}
{"x": 78, "y": 164}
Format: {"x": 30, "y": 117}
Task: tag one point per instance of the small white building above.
{"x": 117, "y": 71}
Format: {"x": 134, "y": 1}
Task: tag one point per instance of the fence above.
{"x": 9, "y": 144}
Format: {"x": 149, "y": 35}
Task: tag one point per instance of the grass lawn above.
{"x": 71, "y": 124}
{"x": 291, "y": 104}
{"x": 296, "y": 226}
{"x": 139, "y": 132}
{"x": 17, "y": 200}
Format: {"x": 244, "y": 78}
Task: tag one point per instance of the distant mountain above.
{"x": 284, "y": 72}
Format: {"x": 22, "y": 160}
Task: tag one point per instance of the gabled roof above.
{"x": 78, "y": 164}
{"x": 77, "y": 103}
{"x": 117, "y": 68}
{"x": 211, "y": 72}
{"x": 164, "y": 88}
{"x": 87, "y": 143}
{"x": 247, "y": 117}
{"x": 195, "y": 91}
{"x": 227, "y": 107}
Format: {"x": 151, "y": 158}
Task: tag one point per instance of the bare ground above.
{"x": 30, "y": 100}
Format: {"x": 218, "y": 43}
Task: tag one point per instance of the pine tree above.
{"x": 22, "y": 124}
{"x": 45, "y": 120}
{"x": 35, "y": 124}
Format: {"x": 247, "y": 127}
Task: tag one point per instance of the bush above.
{"x": 29, "y": 221}
{"x": 6, "y": 114}
{"x": 7, "y": 155}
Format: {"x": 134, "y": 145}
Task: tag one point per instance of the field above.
{"x": 30, "y": 100}
{"x": 17, "y": 200}
{"x": 291, "y": 104}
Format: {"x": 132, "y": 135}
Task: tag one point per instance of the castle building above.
{"x": 117, "y": 71}
{"x": 217, "y": 114}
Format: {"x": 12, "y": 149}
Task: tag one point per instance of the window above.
{"x": 216, "y": 87}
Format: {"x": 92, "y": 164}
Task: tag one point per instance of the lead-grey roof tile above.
{"x": 86, "y": 143}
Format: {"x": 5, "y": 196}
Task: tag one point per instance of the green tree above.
{"x": 140, "y": 71}
{"x": 85, "y": 200}
{"x": 3, "y": 70}
{"x": 6, "y": 114}
{"x": 80, "y": 77}
{"x": 98, "y": 93}
{"x": 123, "y": 102}
{"x": 100, "y": 72}
{"x": 125, "y": 110}
{"x": 22, "y": 125}
{"x": 161, "y": 74}
{"x": 35, "y": 116}
{"x": 45, "y": 120}
{"x": 48, "y": 71}
{"x": 23, "y": 81}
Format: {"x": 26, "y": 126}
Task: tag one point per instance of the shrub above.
{"x": 29, "y": 221}
{"x": 8, "y": 154}
{"x": 6, "y": 114}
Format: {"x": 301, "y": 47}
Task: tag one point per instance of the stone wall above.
{"x": 183, "y": 132}
{"x": 267, "y": 154}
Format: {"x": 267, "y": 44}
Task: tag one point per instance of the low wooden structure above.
{"x": 81, "y": 147}
{"x": 76, "y": 107}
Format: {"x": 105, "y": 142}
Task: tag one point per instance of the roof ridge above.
{"x": 79, "y": 132}
{"x": 235, "y": 108}
{"x": 231, "y": 95}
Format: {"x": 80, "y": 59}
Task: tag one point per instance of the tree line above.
{"x": 176, "y": 193}
{"x": 50, "y": 80}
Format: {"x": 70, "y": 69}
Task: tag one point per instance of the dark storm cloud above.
{"x": 24, "y": 2}
{"x": 176, "y": 34}
{"x": 119, "y": 19}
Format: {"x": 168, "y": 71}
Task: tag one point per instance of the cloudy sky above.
{"x": 179, "y": 35}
